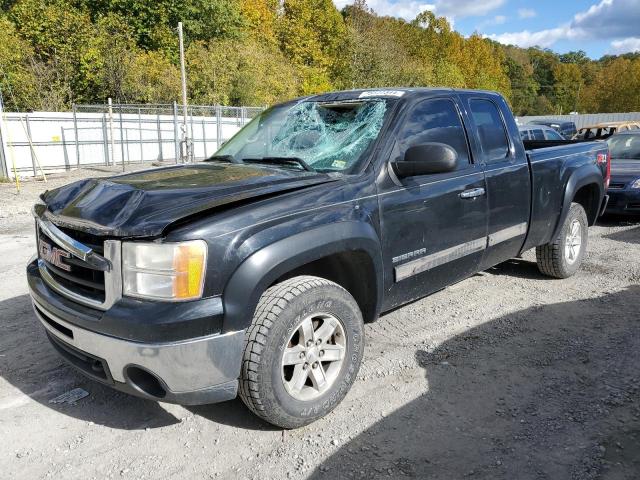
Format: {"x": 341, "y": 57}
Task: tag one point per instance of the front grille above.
{"x": 81, "y": 277}
{"x": 616, "y": 186}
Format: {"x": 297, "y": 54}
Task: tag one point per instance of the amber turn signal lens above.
{"x": 189, "y": 265}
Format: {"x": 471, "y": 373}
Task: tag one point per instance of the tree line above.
{"x": 55, "y": 53}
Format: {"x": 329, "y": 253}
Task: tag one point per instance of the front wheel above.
{"x": 302, "y": 351}
{"x": 562, "y": 257}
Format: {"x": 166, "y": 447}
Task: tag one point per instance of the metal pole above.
{"x": 105, "y": 140}
{"x": 113, "y": 147}
{"x": 159, "y": 137}
{"x": 121, "y": 140}
{"x": 126, "y": 142}
{"x": 192, "y": 137}
{"x": 204, "y": 139}
{"x": 183, "y": 76}
{"x": 64, "y": 149}
{"x": 176, "y": 141}
{"x": 218, "y": 127}
{"x": 140, "y": 136}
{"x": 4, "y": 168}
{"x": 75, "y": 134}
{"x": 33, "y": 158}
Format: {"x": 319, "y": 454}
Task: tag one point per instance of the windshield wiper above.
{"x": 281, "y": 161}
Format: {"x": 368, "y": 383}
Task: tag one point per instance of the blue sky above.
{"x": 598, "y": 27}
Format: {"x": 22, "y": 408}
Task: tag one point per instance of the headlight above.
{"x": 164, "y": 271}
{"x": 636, "y": 184}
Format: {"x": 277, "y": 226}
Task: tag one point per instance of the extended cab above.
{"x": 255, "y": 270}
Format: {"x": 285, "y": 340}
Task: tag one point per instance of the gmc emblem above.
{"x": 54, "y": 255}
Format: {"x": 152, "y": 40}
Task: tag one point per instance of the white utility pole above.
{"x": 186, "y": 141}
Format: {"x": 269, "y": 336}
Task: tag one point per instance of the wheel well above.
{"x": 354, "y": 271}
{"x": 589, "y": 196}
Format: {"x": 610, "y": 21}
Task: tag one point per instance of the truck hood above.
{"x": 143, "y": 204}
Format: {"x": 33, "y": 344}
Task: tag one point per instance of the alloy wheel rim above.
{"x": 313, "y": 356}
{"x": 573, "y": 242}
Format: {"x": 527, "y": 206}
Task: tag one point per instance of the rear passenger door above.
{"x": 433, "y": 226}
{"x": 507, "y": 176}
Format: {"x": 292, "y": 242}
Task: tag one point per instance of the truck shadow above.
{"x": 233, "y": 413}
{"x": 627, "y": 236}
{"x": 30, "y": 364}
{"x": 618, "y": 220}
{"x": 547, "y": 392}
{"x": 518, "y": 267}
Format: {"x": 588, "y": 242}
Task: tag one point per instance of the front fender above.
{"x": 262, "y": 268}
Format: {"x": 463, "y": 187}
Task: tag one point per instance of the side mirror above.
{"x": 425, "y": 159}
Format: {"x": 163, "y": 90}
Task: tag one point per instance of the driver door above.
{"x": 434, "y": 227}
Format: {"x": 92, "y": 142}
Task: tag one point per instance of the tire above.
{"x": 556, "y": 259}
{"x": 270, "y": 386}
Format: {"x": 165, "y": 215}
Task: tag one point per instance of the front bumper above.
{"x": 187, "y": 371}
{"x": 624, "y": 202}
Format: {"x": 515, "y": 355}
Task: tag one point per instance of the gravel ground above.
{"x": 505, "y": 375}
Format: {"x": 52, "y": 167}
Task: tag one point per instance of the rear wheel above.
{"x": 302, "y": 351}
{"x": 562, "y": 257}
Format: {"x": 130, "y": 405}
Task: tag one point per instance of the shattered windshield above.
{"x": 326, "y": 136}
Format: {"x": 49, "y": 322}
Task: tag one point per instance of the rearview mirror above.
{"x": 425, "y": 159}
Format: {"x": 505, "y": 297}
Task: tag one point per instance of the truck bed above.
{"x": 549, "y": 160}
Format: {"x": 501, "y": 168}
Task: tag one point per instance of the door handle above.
{"x": 473, "y": 193}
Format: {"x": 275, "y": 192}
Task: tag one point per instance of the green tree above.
{"x": 312, "y": 34}
{"x": 150, "y": 21}
{"x": 17, "y": 79}
{"x": 59, "y": 34}
{"x": 567, "y": 83}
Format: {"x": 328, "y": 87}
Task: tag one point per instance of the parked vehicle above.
{"x": 624, "y": 189}
{"x": 256, "y": 270}
{"x": 566, "y": 128}
{"x": 538, "y": 132}
{"x": 605, "y": 130}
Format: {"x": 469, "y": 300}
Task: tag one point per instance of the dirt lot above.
{"x": 507, "y": 375}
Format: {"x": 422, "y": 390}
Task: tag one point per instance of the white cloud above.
{"x": 609, "y": 19}
{"x": 541, "y": 38}
{"x": 402, "y": 9}
{"x": 626, "y": 45}
{"x": 526, "y": 13}
{"x": 497, "y": 20}
{"x": 467, "y": 8}
{"x": 409, "y": 9}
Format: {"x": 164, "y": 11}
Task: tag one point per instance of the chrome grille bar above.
{"x": 74, "y": 247}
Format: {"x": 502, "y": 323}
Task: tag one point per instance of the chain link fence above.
{"x": 118, "y": 134}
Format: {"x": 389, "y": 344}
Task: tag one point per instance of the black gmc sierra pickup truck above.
{"x": 255, "y": 270}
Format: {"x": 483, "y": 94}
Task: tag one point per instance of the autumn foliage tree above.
{"x": 257, "y": 52}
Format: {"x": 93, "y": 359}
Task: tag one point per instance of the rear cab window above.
{"x": 552, "y": 135}
{"x": 491, "y": 130}
{"x": 538, "y": 134}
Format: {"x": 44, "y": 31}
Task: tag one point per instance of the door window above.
{"x": 493, "y": 136}
{"x": 435, "y": 120}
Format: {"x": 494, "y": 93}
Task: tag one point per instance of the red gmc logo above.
{"x": 54, "y": 255}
